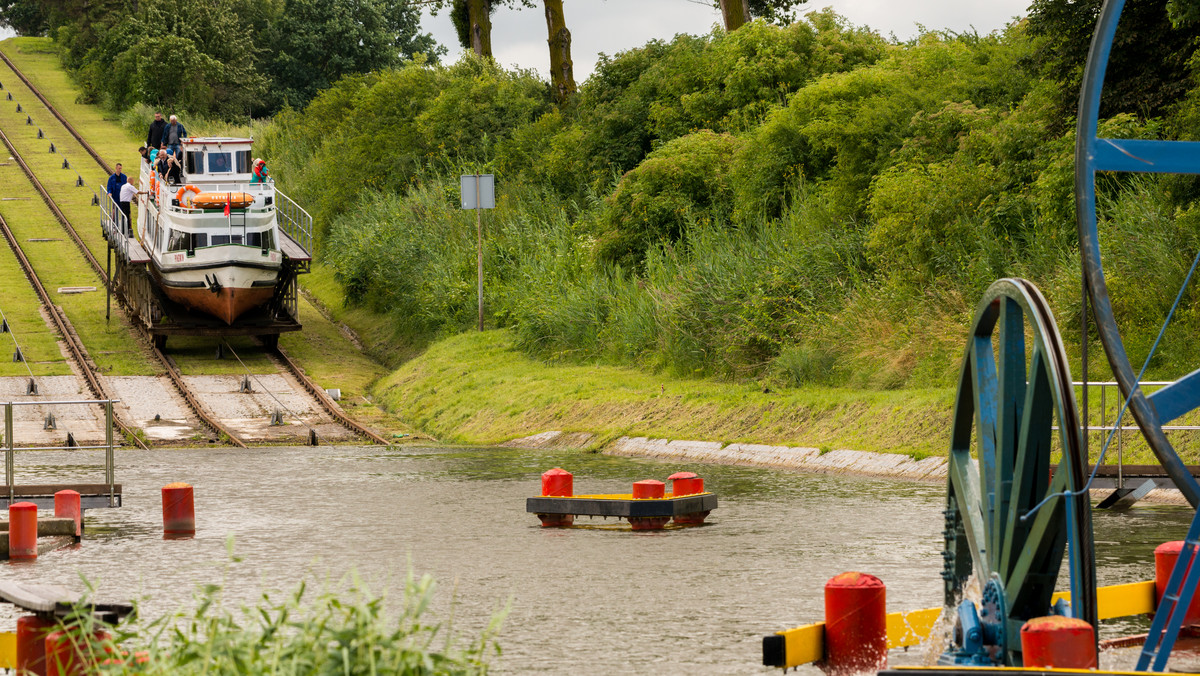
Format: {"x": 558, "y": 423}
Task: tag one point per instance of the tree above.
{"x": 562, "y": 77}
{"x": 473, "y": 21}
{"x": 26, "y": 17}
{"x": 310, "y": 44}
{"x": 1147, "y": 69}
{"x": 734, "y": 13}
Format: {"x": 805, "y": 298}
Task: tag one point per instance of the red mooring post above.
{"x": 648, "y": 489}
{"x": 179, "y": 511}
{"x": 67, "y": 506}
{"x": 559, "y": 483}
{"x": 855, "y": 624}
{"x": 1165, "y": 556}
{"x": 1058, "y": 642}
{"x": 22, "y": 531}
{"x": 685, "y": 483}
{"x": 68, "y": 655}
{"x": 31, "y": 644}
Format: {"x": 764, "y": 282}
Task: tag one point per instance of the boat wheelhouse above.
{"x": 212, "y": 236}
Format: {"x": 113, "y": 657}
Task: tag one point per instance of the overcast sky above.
{"x": 611, "y": 26}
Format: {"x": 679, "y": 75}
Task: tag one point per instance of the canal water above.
{"x": 597, "y": 599}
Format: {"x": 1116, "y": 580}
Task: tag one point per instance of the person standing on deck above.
{"x": 155, "y": 135}
{"x": 115, "y": 181}
{"x": 260, "y": 172}
{"x": 173, "y": 134}
{"x": 128, "y": 192}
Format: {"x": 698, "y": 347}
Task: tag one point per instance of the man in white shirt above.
{"x": 128, "y": 192}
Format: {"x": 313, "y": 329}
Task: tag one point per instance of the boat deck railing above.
{"x": 10, "y": 446}
{"x": 294, "y": 220}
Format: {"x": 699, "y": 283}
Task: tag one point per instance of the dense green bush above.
{"x": 685, "y": 182}
{"x": 808, "y": 204}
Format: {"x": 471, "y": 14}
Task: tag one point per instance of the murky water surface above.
{"x": 592, "y": 600}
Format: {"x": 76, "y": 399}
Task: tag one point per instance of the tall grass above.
{"x": 354, "y": 632}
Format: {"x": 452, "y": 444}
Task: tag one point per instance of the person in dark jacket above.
{"x": 155, "y": 135}
{"x": 115, "y": 181}
{"x": 173, "y": 135}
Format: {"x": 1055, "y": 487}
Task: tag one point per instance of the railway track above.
{"x": 76, "y": 349}
{"x": 318, "y": 393}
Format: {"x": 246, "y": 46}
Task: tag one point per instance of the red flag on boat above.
{"x": 228, "y": 200}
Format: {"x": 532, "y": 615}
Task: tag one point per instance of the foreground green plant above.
{"x": 345, "y": 633}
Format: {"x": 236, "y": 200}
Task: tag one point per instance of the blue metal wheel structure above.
{"x": 1151, "y": 411}
{"x": 1002, "y": 467}
{"x": 1093, "y": 154}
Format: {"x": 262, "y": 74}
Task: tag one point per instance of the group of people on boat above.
{"x": 163, "y": 152}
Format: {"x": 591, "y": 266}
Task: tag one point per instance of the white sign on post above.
{"x": 478, "y": 191}
{"x": 486, "y": 199}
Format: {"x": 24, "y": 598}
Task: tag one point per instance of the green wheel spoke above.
{"x": 1031, "y": 468}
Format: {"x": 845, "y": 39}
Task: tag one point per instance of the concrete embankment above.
{"x": 862, "y": 463}
{"x": 800, "y": 458}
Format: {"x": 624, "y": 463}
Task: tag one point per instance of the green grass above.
{"x": 21, "y": 307}
{"x": 59, "y": 264}
{"x": 477, "y": 388}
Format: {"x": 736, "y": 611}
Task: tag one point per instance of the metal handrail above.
{"x": 10, "y": 447}
{"x": 294, "y": 220}
{"x": 1116, "y": 425}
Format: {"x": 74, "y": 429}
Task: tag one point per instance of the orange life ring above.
{"x": 153, "y": 184}
{"x": 179, "y": 195}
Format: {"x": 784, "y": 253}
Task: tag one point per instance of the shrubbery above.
{"x": 808, "y": 204}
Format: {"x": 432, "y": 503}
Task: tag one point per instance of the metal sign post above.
{"x": 478, "y": 192}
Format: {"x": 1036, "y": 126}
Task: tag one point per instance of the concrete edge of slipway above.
{"x": 799, "y": 458}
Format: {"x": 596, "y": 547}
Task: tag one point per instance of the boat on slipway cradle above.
{"x": 214, "y": 254}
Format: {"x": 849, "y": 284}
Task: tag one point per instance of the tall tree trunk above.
{"x": 479, "y": 13}
{"x": 735, "y": 13}
{"x": 562, "y": 77}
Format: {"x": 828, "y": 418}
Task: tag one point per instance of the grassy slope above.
{"x": 477, "y": 388}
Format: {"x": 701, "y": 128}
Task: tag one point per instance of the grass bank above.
{"x": 478, "y": 388}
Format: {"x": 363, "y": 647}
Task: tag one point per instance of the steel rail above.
{"x": 169, "y": 366}
{"x": 326, "y": 401}
{"x": 54, "y": 111}
{"x": 318, "y": 393}
{"x": 75, "y": 347}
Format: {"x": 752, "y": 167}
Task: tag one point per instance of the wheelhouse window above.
{"x": 242, "y": 158}
{"x": 220, "y": 163}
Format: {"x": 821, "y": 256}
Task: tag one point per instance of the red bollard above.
{"x": 31, "y": 644}
{"x": 685, "y": 483}
{"x": 558, "y": 482}
{"x": 67, "y": 506}
{"x": 1058, "y": 642}
{"x": 179, "y": 511}
{"x": 22, "y": 531}
{"x": 1165, "y": 556}
{"x": 67, "y": 655}
{"x": 648, "y": 489}
{"x": 855, "y": 624}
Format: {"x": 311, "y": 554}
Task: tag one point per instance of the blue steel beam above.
{"x": 1141, "y": 155}
{"x": 1178, "y": 398}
